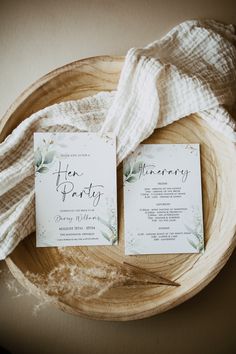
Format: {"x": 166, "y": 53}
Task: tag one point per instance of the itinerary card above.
{"x": 163, "y": 200}
{"x": 75, "y": 189}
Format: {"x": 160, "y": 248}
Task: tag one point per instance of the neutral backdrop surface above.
{"x": 35, "y": 38}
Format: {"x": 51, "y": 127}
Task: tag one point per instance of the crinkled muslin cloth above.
{"x": 190, "y": 70}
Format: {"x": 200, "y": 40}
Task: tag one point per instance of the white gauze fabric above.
{"x": 192, "y": 69}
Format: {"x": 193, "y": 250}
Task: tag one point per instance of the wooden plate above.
{"x": 193, "y": 272}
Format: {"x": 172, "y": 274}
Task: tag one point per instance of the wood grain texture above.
{"x": 193, "y": 272}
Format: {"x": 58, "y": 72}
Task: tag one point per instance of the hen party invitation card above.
{"x": 75, "y": 189}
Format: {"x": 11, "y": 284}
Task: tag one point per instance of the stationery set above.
{"x": 76, "y": 194}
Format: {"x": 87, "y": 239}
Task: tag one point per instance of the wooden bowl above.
{"x": 193, "y": 272}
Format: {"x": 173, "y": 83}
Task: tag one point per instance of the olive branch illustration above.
{"x": 111, "y": 234}
{"x": 44, "y": 156}
{"x": 131, "y": 172}
{"x": 197, "y": 242}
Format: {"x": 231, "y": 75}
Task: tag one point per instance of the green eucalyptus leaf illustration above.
{"x": 127, "y": 170}
{"x": 37, "y": 158}
{"x": 196, "y": 231}
{"x": 49, "y": 157}
{"x": 111, "y": 234}
{"x": 43, "y": 169}
{"x": 132, "y": 179}
{"x": 201, "y": 247}
{"x": 105, "y": 235}
{"x": 192, "y": 244}
{"x": 114, "y": 241}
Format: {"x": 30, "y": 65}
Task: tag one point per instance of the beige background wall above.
{"x": 36, "y": 37}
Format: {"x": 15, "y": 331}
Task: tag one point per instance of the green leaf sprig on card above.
{"x": 110, "y": 234}
{"x": 44, "y": 156}
{"x": 131, "y": 172}
{"x": 197, "y": 240}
